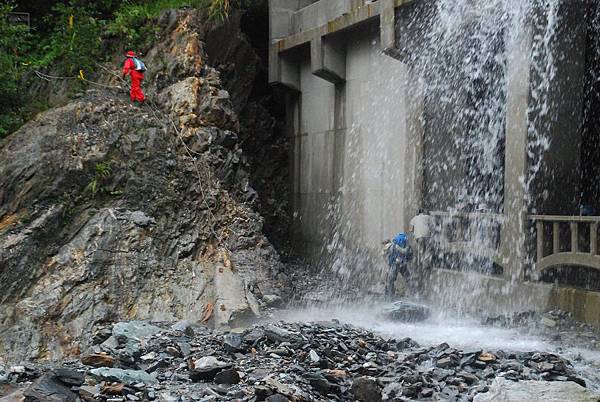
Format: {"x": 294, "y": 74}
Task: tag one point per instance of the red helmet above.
{"x": 130, "y": 53}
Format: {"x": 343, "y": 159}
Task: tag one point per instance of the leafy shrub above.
{"x": 14, "y": 46}
{"x": 74, "y": 43}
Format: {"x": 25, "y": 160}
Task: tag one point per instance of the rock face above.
{"x": 110, "y": 211}
{"x": 502, "y": 390}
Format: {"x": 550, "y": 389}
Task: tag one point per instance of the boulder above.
{"x": 406, "y": 311}
{"x": 98, "y": 360}
{"x": 68, "y": 377}
{"x": 48, "y": 389}
{"x": 366, "y": 389}
{"x": 206, "y": 368}
{"x": 124, "y": 376}
{"x": 136, "y": 330}
{"x": 502, "y": 390}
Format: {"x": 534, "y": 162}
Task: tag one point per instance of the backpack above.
{"x": 396, "y": 254}
{"x": 139, "y": 65}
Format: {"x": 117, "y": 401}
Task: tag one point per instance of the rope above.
{"x": 156, "y": 111}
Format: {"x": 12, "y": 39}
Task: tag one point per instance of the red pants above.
{"x": 136, "y": 93}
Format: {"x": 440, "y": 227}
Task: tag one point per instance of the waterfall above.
{"x": 462, "y": 58}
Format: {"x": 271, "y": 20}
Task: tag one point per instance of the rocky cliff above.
{"x": 110, "y": 211}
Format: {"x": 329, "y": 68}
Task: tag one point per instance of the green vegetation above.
{"x": 74, "y": 42}
{"x": 102, "y": 172}
{"x": 72, "y": 37}
{"x": 15, "y": 43}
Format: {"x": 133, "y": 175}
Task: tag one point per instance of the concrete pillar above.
{"x": 328, "y": 59}
{"x": 414, "y": 155}
{"x": 555, "y": 113}
{"x": 512, "y": 236}
{"x": 387, "y": 18}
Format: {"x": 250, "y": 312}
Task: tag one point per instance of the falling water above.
{"x": 460, "y": 56}
{"x": 469, "y": 73}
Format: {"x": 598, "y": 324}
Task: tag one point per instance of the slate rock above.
{"x": 279, "y": 335}
{"x": 366, "y": 389}
{"x": 69, "y": 377}
{"x": 233, "y": 343}
{"x": 277, "y": 398}
{"x": 48, "y": 389}
{"x": 136, "y": 330}
{"x": 183, "y": 326}
{"x": 206, "y": 368}
{"x": 229, "y": 376}
{"x": 272, "y": 300}
{"x": 98, "y": 360}
{"x": 406, "y": 311}
{"x": 318, "y": 382}
{"x": 124, "y": 376}
{"x": 261, "y": 393}
{"x": 89, "y": 393}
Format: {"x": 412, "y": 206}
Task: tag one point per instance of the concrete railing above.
{"x": 578, "y": 247}
{"x": 468, "y": 232}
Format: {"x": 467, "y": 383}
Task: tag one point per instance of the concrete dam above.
{"x": 481, "y": 112}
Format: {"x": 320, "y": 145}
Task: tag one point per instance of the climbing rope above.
{"x": 157, "y": 112}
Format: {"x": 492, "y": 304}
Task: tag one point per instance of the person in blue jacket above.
{"x": 397, "y": 253}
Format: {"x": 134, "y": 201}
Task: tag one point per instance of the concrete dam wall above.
{"x": 472, "y": 110}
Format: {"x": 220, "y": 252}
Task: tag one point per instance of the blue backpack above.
{"x": 139, "y": 65}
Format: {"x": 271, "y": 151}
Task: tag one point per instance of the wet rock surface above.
{"x": 288, "y": 361}
{"x": 554, "y": 325}
{"x": 406, "y": 311}
{"x": 113, "y": 212}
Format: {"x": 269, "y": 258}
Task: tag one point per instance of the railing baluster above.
{"x": 574, "y": 237}
{"x": 594, "y": 238}
{"x": 539, "y": 227}
{"x": 555, "y": 238}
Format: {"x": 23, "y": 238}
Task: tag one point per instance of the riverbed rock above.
{"x": 502, "y": 390}
{"x": 98, "y": 360}
{"x": 406, "y": 311}
{"x": 366, "y": 389}
{"x": 49, "y": 389}
{"x": 123, "y": 376}
{"x": 276, "y": 361}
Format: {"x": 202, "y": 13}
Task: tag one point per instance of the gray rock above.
{"x": 279, "y": 335}
{"x": 124, "y": 376}
{"x": 318, "y": 382}
{"x": 183, "y": 326}
{"x": 137, "y": 330}
{"x": 366, "y": 389}
{"x": 141, "y": 219}
{"x": 229, "y": 376}
{"x": 89, "y": 392}
{"x": 48, "y": 389}
{"x": 206, "y": 369}
{"x": 277, "y": 398}
{"x": 548, "y": 322}
{"x": 502, "y": 390}
{"x": 68, "y": 377}
{"x": 406, "y": 311}
{"x": 272, "y": 300}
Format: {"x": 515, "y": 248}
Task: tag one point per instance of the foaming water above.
{"x": 459, "y": 332}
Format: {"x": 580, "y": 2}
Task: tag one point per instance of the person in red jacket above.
{"x": 137, "y": 76}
